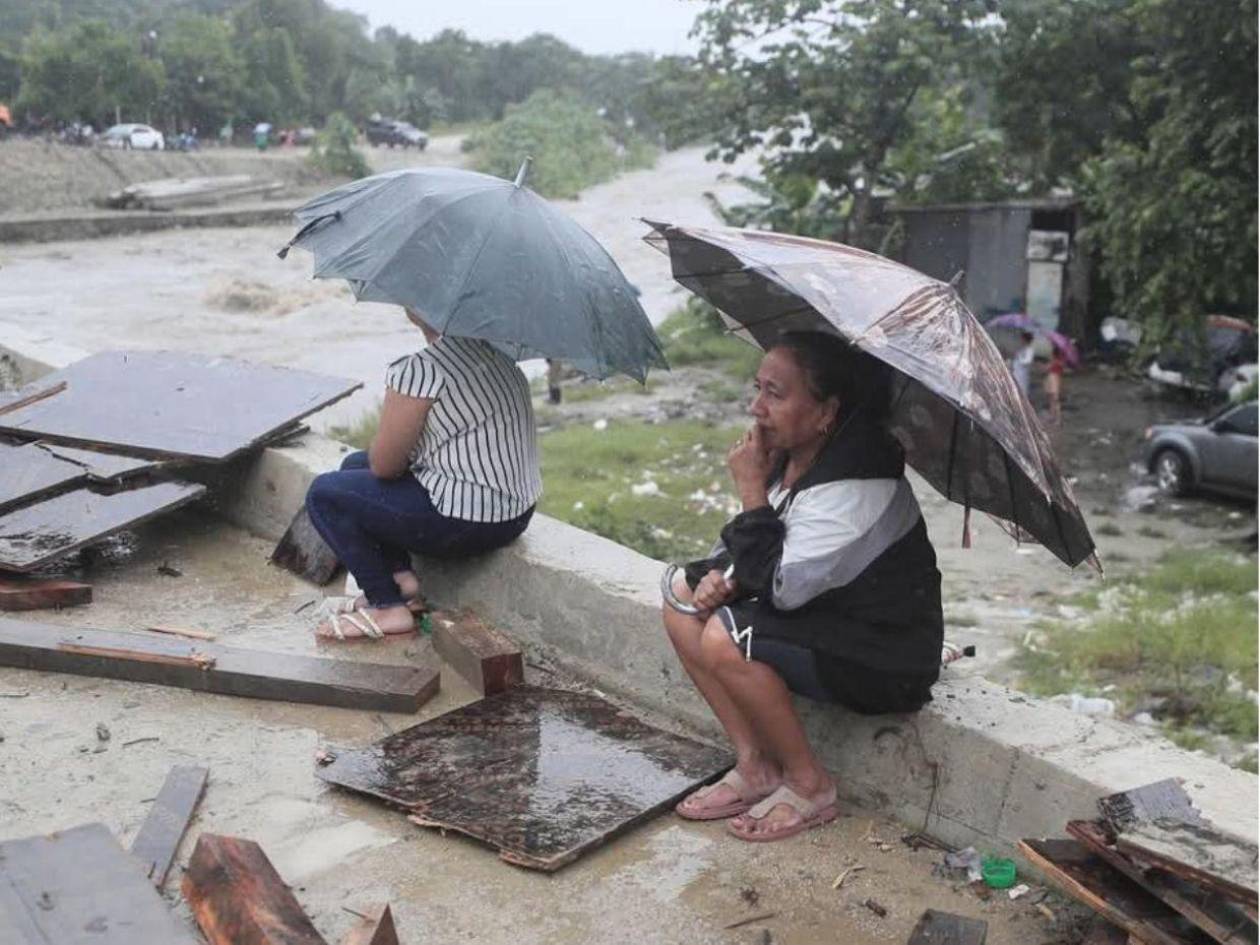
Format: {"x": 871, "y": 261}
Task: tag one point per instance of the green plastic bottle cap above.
{"x": 998, "y": 873}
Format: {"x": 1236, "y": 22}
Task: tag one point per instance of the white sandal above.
{"x": 361, "y": 620}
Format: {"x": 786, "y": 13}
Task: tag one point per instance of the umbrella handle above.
{"x": 667, "y": 592}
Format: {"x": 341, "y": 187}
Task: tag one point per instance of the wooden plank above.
{"x": 34, "y": 594}
{"x": 485, "y": 657}
{"x": 79, "y": 887}
{"x": 184, "y": 632}
{"x": 21, "y": 400}
{"x": 38, "y": 534}
{"x": 238, "y": 898}
{"x": 1086, "y": 878}
{"x": 303, "y": 551}
{"x": 255, "y": 674}
{"x": 101, "y": 467}
{"x": 28, "y": 474}
{"x": 157, "y": 842}
{"x": 1196, "y": 851}
{"x": 172, "y": 405}
{"x": 375, "y": 927}
{"x": 1165, "y": 799}
{"x": 1220, "y": 919}
{"x": 945, "y": 928}
{"x": 1102, "y": 932}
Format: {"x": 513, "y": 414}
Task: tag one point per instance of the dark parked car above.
{"x": 396, "y": 134}
{"x": 1218, "y": 453}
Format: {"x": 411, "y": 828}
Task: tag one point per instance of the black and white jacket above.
{"x": 841, "y": 563}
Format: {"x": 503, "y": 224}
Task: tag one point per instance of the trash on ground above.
{"x": 967, "y": 859}
{"x": 875, "y": 907}
{"x": 945, "y": 928}
{"x": 569, "y": 772}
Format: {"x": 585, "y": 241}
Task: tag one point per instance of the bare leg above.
{"x": 761, "y": 696}
{"x": 757, "y": 768}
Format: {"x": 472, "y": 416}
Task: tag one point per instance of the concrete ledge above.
{"x": 92, "y": 224}
{"x": 981, "y": 765}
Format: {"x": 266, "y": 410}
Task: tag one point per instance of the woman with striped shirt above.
{"x": 452, "y": 471}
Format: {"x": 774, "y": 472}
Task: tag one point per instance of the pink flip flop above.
{"x": 813, "y": 814}
{"x": 733, "y": 780}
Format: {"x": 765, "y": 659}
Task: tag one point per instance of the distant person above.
{"x": 554, "y": 372}
{"x": 451, "y": 472}
{"x": 1022, "y": 362}
{"x": 1054, "y": 387}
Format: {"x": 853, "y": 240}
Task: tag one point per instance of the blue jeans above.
{"x": 373, "y": 524}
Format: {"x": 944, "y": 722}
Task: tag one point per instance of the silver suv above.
{"x": 1217, "y": 453}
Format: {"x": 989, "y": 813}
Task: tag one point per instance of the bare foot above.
{"x": 367, "y": 623}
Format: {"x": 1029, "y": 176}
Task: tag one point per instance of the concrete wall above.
{"x": 981, "y": 765}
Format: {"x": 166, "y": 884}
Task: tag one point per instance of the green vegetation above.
{"x": 694, "y": 335}
{"x": 660, "y": 489}
{"x": 572, "y": 146}
{"x": 359, "y": 433}
{"x": 334, "y": 151}
{"x": 1179, "y": 640}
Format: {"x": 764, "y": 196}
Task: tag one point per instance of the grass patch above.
{"x": 586, "y": 391}
{"x": 694, "y": 334}
{"x": 590, "y": 478}
{"x": 1180, "y": 637}
{"x": 359, "y": 433}
{"x": 1109, "y": 529}
{"x": 1150, "y": 531}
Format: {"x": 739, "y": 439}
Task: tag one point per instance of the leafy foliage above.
{"x": 571, "y": 145}
{"x": 334, "y": 151}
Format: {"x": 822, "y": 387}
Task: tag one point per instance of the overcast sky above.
{"x": 593, "y": 26}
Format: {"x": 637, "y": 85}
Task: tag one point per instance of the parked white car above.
{"x": 129, "y": 136}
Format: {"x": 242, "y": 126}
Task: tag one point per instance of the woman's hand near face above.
{"x": 751, "y": 462}
{"x": 713, "y": 591}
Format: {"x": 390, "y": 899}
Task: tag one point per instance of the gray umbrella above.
{"x": 480, "y": 257}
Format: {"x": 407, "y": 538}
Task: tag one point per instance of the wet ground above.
{"x": 667, "y": 881}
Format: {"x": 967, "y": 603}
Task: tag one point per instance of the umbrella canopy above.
{"x": 481, "y": 257}
{"x": 1018, "y": 321}
{"x": 964, "y": 424}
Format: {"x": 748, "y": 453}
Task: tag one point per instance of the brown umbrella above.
{"x": 965, "y": 426}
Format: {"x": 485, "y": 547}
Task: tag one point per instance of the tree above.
{"x": 1061, "y": 82}
{"x": 88, "y": 72}
{"x": 1174, "y": 213}
{"x": 828, "y": 86}
{"x": 204, "y": 73}
{"x": 275, "y": 82}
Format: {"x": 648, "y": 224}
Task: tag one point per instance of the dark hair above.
{"x": 834, "y": 368}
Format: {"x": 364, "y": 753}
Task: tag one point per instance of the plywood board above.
{"x": 158, "y": 840}
{"x": 101, "y": 467}
{"x": 79, "y": 887}
{"x": 544, "y": 775}
{"x": 37, "y": 534}
{"x": 238, "y": 898}
{"x": 208, "y": 666}
{"x": 1199, "y": 851}
{"x": 167, "y": 404}
{"x": 27, "y": 474}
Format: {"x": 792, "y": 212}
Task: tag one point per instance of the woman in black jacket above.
{"x": 824, "y": 585}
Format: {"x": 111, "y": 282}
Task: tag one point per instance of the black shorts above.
{"x": 826, "y": 678}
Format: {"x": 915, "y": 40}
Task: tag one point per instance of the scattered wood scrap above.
{"x": 485, "y": 657}
{"x": 1087, "y": 878}
{"x": 1215, "y": 915}
{"x": 375, "y": 927}
{"x": 79, "y": 887}
{"x": 19, "y": 593}
{"x": 208, "y": 666}
{"x": 945, "y": 928}
{"x": 238, "y": 898}
{"x": 158, "y": 840}
{"x": 303, "y": 551}
{"x": 18, "y": 400}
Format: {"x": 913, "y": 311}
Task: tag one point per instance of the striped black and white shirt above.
{"x": 477, "y": 456}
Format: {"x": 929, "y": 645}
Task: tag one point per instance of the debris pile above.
{"x": 171, "y": 193}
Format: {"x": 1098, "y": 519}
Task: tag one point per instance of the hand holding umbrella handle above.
{"x": 667, "y": 590}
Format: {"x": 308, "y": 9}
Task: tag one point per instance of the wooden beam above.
{"x": 375, "y": 927}
{"x": 157, "y": 842}
{"x": 34, "y": 594}
{"x": 488, "y": 659}
{"x": 34, "y": 398}
{"x": 238, "y": 898}
{"x": 208, "y": 666}
{"x": 303, "y": 551}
